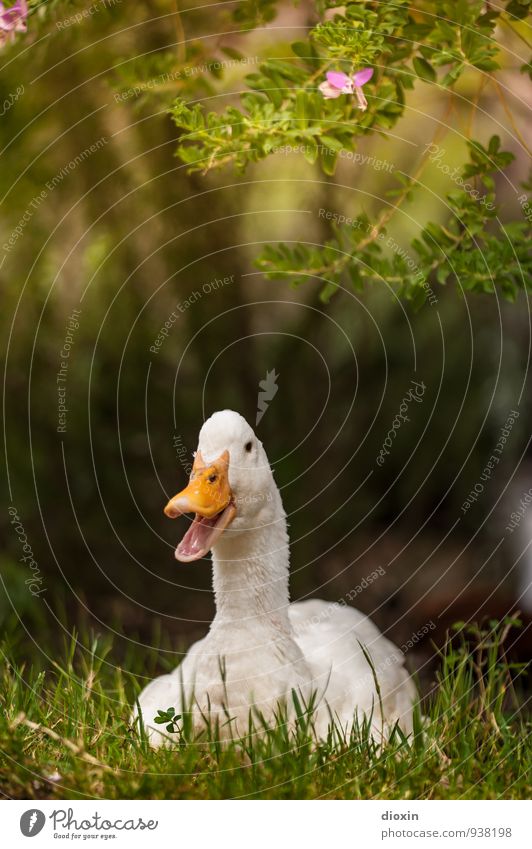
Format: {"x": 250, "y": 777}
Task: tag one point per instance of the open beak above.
{"x": 209, "y": 496}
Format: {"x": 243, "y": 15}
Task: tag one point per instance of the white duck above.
{"x": 260, "y": 647}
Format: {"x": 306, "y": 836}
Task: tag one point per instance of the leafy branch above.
{"x": 283, "y": 107}
{"x": 471, "y": 248}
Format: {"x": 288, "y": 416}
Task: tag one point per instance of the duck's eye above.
{"x": 248, "y": 446}
{"x": 213, "y": 478}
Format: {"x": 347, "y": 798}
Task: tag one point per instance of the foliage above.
{"x": 283, "y": 106}
{"x": 254, "y": 13}
{"x": 464, "y": 249}
{"x": 405, "y": 43}
{"x": 66, "y": 734}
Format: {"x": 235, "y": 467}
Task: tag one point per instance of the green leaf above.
{"x": 301, "y": 109}
{"x": 232, "y": 53}
{"x": 328, "y": 159}
{"x": 288, "y": 71}
{"x": 310, "y": 152}
{"x": 306, "y": 51}
{"x": 452, "y": 75}
{"x": 424, "y": 69}
{"x": 331, "y": 143}
{"x": 328, "y": 291}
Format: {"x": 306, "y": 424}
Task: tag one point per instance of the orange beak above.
{"x": 209, "y": 496}
{"x": 208, "y": 491}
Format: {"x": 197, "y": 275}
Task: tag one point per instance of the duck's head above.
{"x": 231, "y": 484}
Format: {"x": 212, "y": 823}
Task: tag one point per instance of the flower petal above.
{"x": 329, "y": 91}
{"x": 13, "y": 19}
{"x": 363, "y": 76}
{"x": 362, "y": 103}
{"x": 340, "y": 81}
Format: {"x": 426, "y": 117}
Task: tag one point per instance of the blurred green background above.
{"x": 124, "y": 236}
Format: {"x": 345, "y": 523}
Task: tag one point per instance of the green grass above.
{"x": 73, "y": 719}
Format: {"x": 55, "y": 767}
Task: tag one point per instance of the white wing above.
{"x": 329, "y": 636}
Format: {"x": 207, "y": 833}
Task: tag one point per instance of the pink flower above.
{"x": 12, "y": 20}
{"x": 338, "y": 83}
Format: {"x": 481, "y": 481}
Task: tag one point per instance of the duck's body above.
{"x": 331, "y": 637}
{"x": 261, "y": 649}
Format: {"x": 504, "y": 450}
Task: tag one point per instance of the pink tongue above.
{"x": 196, "y": 538}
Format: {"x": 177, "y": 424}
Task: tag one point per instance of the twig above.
{"x": 515, "y": 31}
{"x": 181, "y": 38}
{"x": 508, "y": 111}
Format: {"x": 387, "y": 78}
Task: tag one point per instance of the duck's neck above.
{"x": 250, "y": 578}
